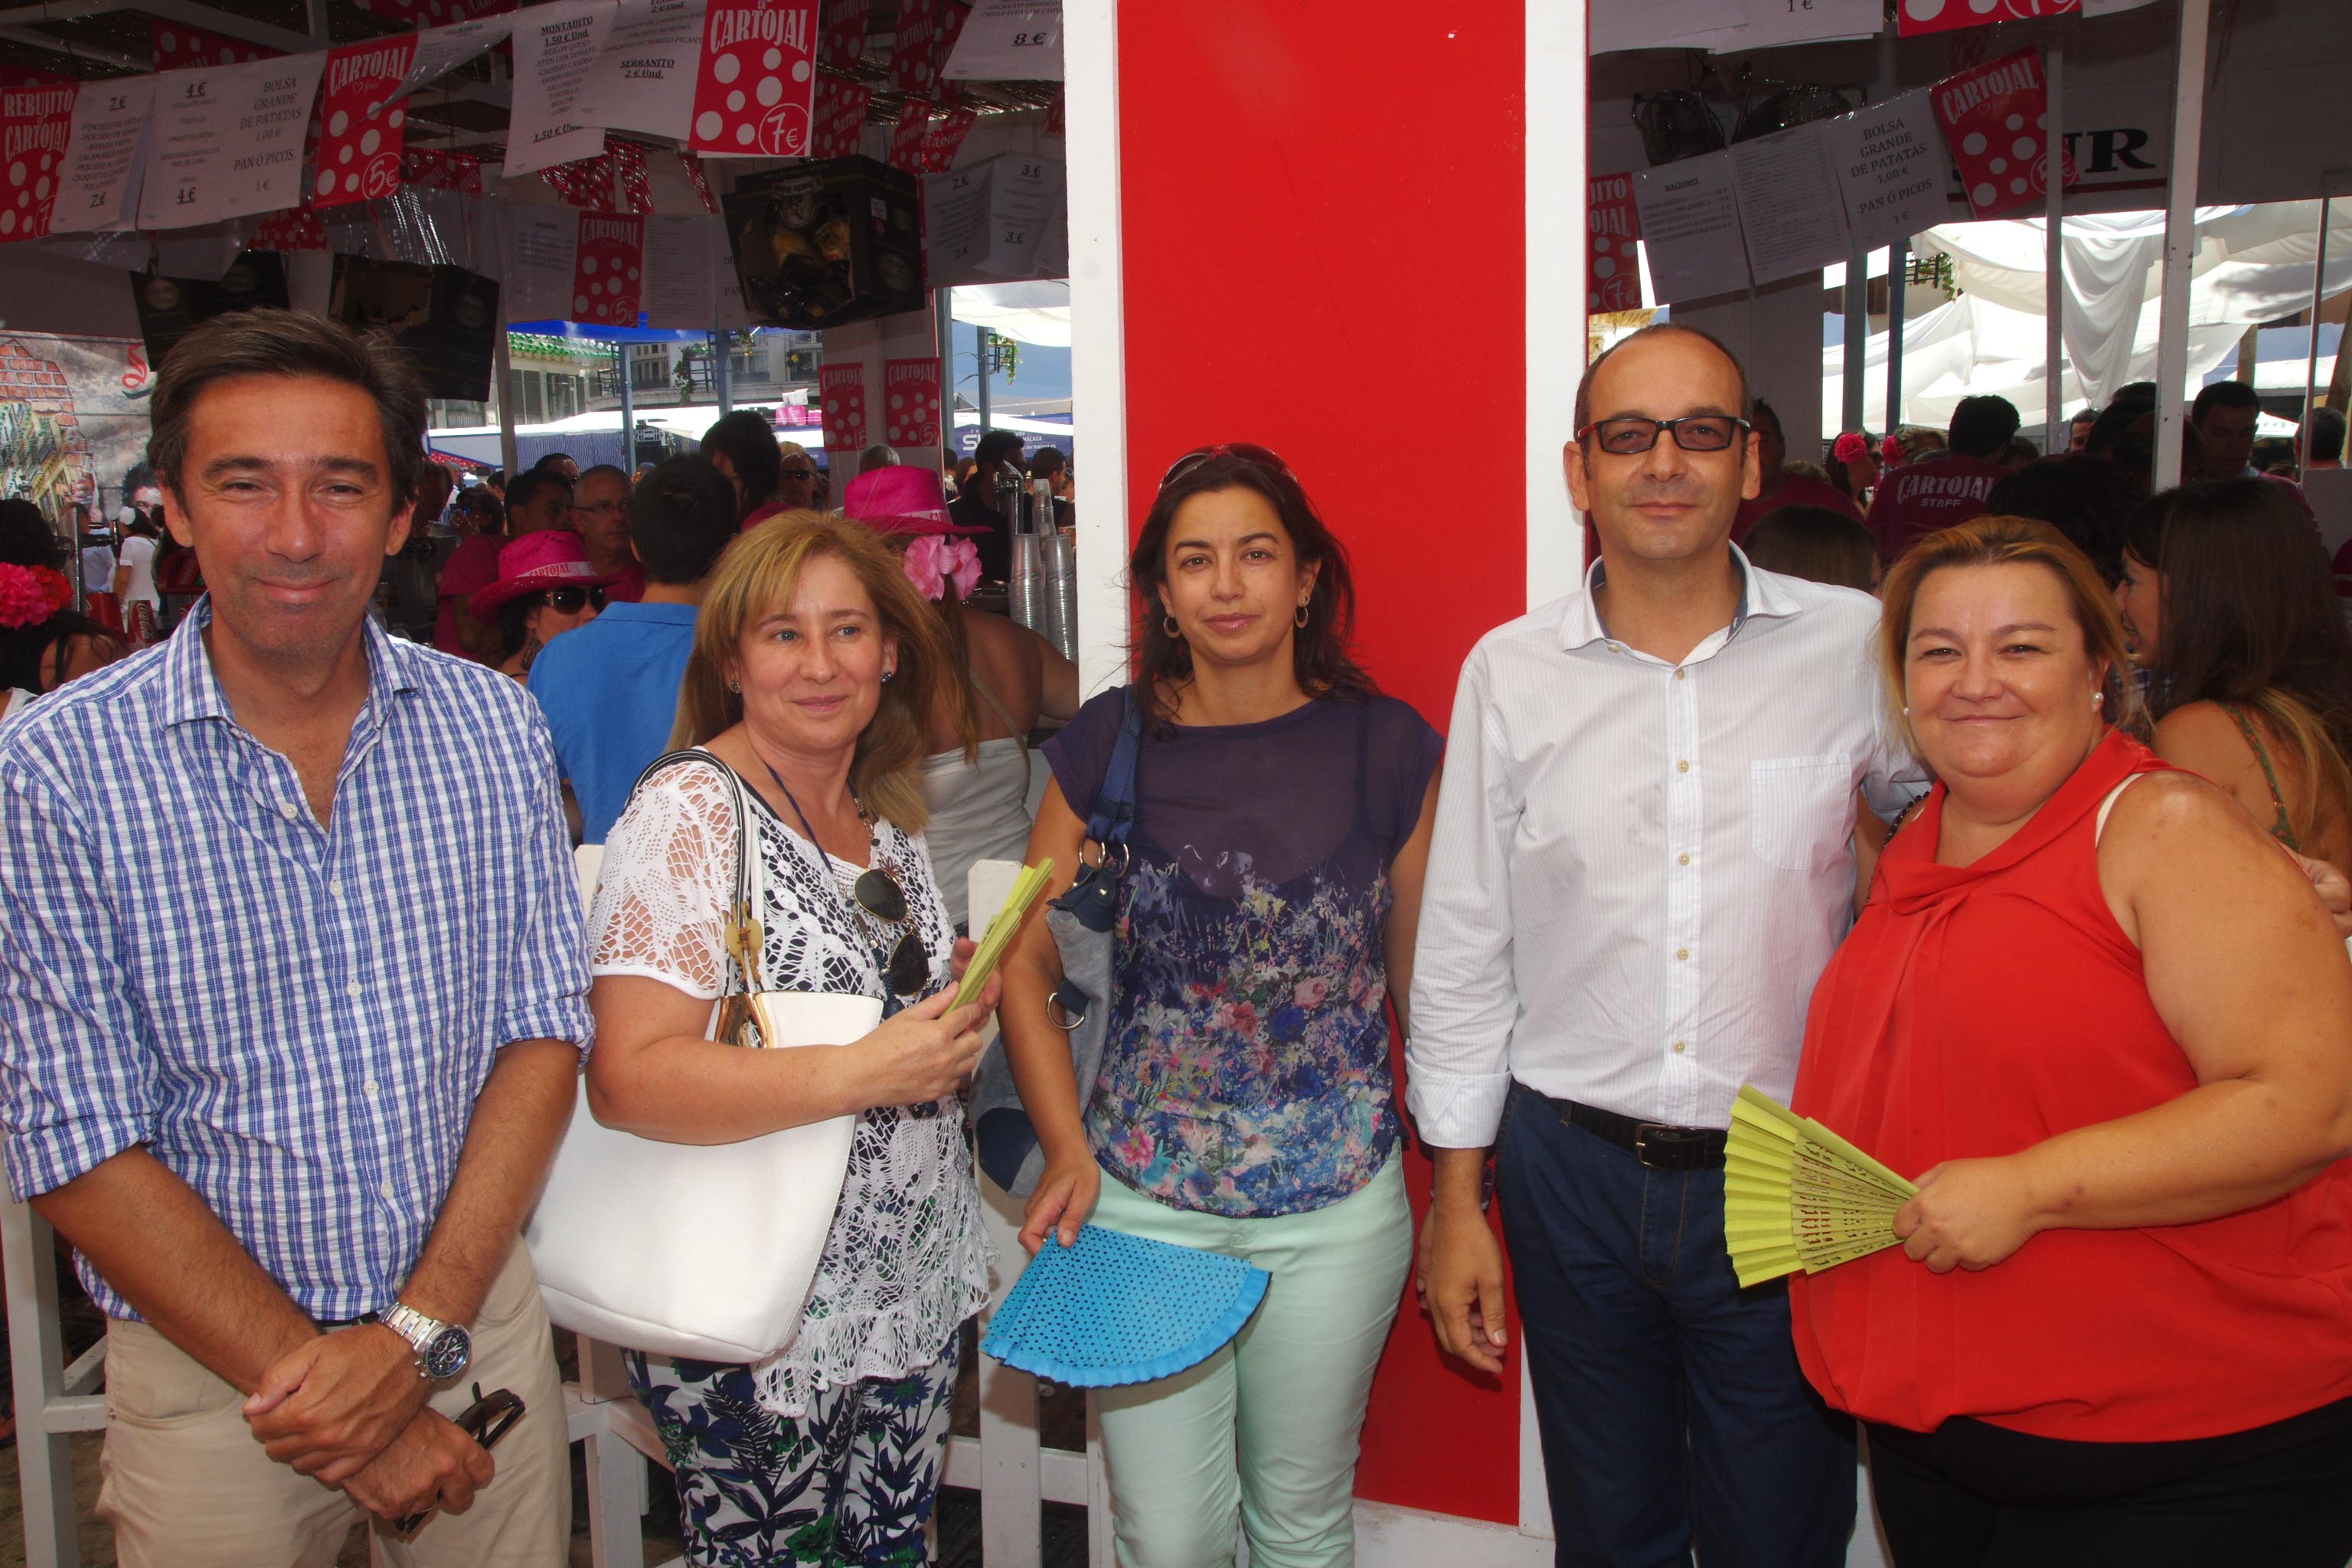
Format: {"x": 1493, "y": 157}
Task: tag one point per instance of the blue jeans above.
{"x": 1668, "y": 1399}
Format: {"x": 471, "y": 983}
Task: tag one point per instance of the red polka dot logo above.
{"x": 609, "y": 269}
{"x": 911, "y": 398}
{"x": 1917, "y": 16}
{"x": 843, "y": 390}
{"x": 1995, "y": 118}
{"x": 33, "y": 124}
{"x": 755, "y": 89}
{"x": 1610, "y": 220}
{"x": 362, "y": 128}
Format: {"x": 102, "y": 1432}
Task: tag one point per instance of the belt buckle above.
{"x": 1642, "y": 1134}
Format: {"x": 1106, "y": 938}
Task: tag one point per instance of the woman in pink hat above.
{"x": 976, "y": 778}
{"x": 545, "y": 586}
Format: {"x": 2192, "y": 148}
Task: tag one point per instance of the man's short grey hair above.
{"x": 289, "y": 343}
{"x": 877, "y": 457}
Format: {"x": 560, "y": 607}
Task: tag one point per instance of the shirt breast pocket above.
{"x": 1800, "y": 811}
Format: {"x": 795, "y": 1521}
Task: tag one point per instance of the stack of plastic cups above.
{"x": 1059, "y": 595}
{"x": 1025, "y": 592}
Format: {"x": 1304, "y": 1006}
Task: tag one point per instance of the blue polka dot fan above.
{"x": 1114, "y": 1309}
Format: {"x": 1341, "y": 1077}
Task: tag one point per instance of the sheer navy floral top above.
{"x": 1246, "y": 1068}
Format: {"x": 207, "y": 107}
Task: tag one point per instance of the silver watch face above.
{"x": 448, "y": 1352}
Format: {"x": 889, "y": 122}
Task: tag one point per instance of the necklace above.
{"x": 875, "y": 892}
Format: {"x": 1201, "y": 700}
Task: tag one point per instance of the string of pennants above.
{"x": 226, "y": 129}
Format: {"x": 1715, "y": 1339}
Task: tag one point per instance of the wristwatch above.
{"x": 442, "y": 1350}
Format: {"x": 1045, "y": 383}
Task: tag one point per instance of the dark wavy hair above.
{"x": 2251, "y": 617}
{"x": 1321, "y": 650}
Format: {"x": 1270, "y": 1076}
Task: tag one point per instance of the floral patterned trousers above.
{"x": 848, "y": 1485}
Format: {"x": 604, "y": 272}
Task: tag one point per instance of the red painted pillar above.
{"x": 1323, "y": 248}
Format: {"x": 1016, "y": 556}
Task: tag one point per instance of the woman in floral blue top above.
{"x": 1246, "y": 1103}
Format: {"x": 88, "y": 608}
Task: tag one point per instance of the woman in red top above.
{"x": 2106, "y": 1018}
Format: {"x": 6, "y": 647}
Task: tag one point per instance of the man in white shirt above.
{"x": 1643, "y": 861}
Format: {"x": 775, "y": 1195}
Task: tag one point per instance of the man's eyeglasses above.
{"x": 1246, "y": 451}
{"x": 878, "y": 894}
{"x": 1632, "y": 436}
{"x": 490, "y": 1417}
{"x": 601, "y": 508}
{"x": 568, "y": 601}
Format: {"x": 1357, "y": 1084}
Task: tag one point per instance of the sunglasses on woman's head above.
{"x": 878, "y": 894}
{"x": 1247, "y": 451}
{"x": 568, "y": 601}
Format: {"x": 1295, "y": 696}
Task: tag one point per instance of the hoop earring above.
{"x": 1168, "y": 624}
{"x": 1299, "y": 618}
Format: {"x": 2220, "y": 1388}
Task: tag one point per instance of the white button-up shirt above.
{"x": 1640, "y": 868}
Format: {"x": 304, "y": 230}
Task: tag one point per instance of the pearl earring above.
{"x": 1906, "y": 713}
{"x": 2098, "y": 698}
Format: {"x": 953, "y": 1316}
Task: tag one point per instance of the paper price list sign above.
{"x": 94, "y": 181}
{"x": 228, "y": 142}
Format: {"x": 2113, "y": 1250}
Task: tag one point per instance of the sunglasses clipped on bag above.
{"x": 567, "y": 601}
{"x": 909, "y": 965}
{"x": 490, "y": 1417}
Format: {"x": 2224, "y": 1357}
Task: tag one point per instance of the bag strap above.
{"x": 1112, "y": 816}
{"x": 739, "y": 926}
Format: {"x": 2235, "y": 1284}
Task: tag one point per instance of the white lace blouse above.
{"x": 906, "y": 1261}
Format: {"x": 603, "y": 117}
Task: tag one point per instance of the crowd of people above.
{"x": 1994, "y": 814}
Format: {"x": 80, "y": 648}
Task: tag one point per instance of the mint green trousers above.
{"x": 1261, "y": 1436}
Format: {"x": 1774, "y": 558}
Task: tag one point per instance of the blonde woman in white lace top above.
{"x": 813, "y": 664}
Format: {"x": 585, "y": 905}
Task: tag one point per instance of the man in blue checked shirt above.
{"x": 292, "y": 997}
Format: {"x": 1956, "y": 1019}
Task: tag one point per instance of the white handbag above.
{"x": 699, "y": 1251}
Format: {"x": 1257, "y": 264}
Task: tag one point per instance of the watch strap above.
{"x": 413, "y": 1326}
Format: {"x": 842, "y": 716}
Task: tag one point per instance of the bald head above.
{"x": 1688, "y": 337}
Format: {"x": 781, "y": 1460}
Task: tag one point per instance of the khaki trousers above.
{"x": 185, "y": 1485}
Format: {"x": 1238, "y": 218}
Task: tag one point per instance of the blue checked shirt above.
{"x": 294, "y": 1019}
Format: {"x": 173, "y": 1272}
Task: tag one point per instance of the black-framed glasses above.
{"x": 1632, "y": 436}
{"x": 490, "y": 1417}
{"x": 569, "y": 601}
{"x": 1246, "y": 451}
{"x": 878, "y": 894}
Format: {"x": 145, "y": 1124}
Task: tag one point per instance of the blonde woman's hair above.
{"x": 2002, "y": 542}
{"x": 761, "y": 571}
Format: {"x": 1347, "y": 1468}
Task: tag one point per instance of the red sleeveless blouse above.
{"x": 1976, "y": 1011}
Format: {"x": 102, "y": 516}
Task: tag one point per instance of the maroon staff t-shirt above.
{"x": 1917, "y": 499}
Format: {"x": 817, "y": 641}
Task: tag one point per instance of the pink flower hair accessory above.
{"x": 23, "y": 598}
{"x": 932, "y": 561}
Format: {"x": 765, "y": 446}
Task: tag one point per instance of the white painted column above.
{"x": 1558, "y": 256}
{"x": 2053, "y": 276}
{"x": 2180, "y": 240}
{"x": 1098, "y": 335}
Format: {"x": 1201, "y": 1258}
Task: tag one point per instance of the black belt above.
{"x": 1656, "y": 1145}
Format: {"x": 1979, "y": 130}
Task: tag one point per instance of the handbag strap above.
{"x": 740, "y": 927}
{"x": 1112, "y": 816}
